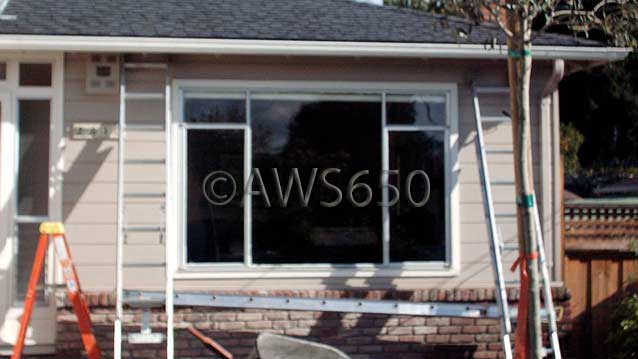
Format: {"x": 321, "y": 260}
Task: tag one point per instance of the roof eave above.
{"x": 294, "y": 48}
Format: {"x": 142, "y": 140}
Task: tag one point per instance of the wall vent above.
{"x": 102, "y": 74}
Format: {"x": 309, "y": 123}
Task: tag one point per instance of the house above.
{"x": 326, "y": 84}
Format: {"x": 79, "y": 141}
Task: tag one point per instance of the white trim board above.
{"x": 42, "y": 334}
{"x": 298, "y": 48}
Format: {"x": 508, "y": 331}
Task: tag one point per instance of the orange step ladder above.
{"x": 54, "y": 232}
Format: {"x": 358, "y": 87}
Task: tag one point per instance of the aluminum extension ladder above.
{"x": 497, "y": 246}
{"x": 124, "y": 229}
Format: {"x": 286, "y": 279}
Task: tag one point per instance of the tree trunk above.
{"x": 519, "y": 71}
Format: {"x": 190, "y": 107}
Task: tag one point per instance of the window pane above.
{"x": 418, "y": 233}
{"x": 215, "y": 110}
{"x": 214, "y": 232}
{"x": 33, "y": 168}
{"x": 323, "y": 133}
{"x": 35, "y": 74}
{"x": 416, "y": 110}
{"x": 28, "y": 236}
{"x": 3, "y": 71}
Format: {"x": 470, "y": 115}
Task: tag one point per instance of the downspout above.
{"x": 551, "y": 174}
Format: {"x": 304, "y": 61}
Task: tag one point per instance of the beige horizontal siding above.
{"x": 91, "y": 167}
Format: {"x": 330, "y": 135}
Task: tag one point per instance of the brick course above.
{"x": 363, "y": 336}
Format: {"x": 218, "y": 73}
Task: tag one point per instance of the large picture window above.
{"x": 315, "y": 177}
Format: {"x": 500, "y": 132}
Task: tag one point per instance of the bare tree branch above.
{"x": 496, "y": 17}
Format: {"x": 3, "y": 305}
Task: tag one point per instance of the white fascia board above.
{"x": 293, "y": 48}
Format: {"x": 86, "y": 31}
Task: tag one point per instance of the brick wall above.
{"x": 359, "y": 335}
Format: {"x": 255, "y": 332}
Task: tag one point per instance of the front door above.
{"x": 29, "y": 193}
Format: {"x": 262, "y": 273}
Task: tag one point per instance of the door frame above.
{"x": 42, "y": 333}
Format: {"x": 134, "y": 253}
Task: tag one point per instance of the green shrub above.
{"x": 623, "y": 337}
{"x": 570, "y": 141}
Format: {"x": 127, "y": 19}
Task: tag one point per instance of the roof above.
{"x": 624, "y": 187}
{"x": 603, "y": 202}
{"x": 292, "y": 20}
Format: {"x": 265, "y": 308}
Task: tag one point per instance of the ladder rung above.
{"x": 143, "y": 127}
{"x": 144, "y": 265}
{"x": 492, "y": 89}
{"x": 144, "y": 95}
{"x": 505, "y": 215}
{"x": 145, "y": 338}
{"x": 510, "y": 247}
{"x": 498, "y": 151}
{"x": 514, "y": 317}
{"x": 142, "y": 229}
{"x": 144, "y": 195}
{"x": 51, "y": 286}
{"x": 512, "y": 282}
{"x": 143, "y": 302}
{"x": 146, "y": 65}
{"x": 139, "y": 161}
{"x": 502, "y": 183}
{"x": 495, "y": 119}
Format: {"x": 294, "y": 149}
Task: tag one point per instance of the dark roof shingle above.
{"x": 318, "y": 20}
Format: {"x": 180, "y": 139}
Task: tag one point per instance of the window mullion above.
{"x": 248, "y": 255}
{"x": 385, "y": 174}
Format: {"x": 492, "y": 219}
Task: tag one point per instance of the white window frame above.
{"x": 447, "y": 268}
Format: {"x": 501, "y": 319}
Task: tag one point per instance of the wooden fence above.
{"x": 600, "y": 266}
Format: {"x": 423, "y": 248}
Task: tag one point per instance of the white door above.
{"x": 25, "y": 187}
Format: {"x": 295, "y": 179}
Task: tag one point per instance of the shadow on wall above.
{"x": 82, "y": 172}
{"x": 383, "y": 336}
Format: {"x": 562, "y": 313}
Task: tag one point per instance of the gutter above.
{"x": 294, "y": 48}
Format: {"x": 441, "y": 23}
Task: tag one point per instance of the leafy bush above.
{"x": 623, "y": 338}
{"x": 570, "y": 141}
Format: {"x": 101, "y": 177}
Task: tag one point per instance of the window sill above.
{"x": 239, "y": 271}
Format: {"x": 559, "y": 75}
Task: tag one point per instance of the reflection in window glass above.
{"x": 33, "y": 168}
{"x": 304, "y": 131}
{"x": 35, "y": 74}
{"x": 214, "y": 110}
{"x": 214, "y": 232}
{"x": 27, "y": 235}
{"x": 418, "y": 233}
{"x": 324, "y": 134}
{"x": 415, "y": 110}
